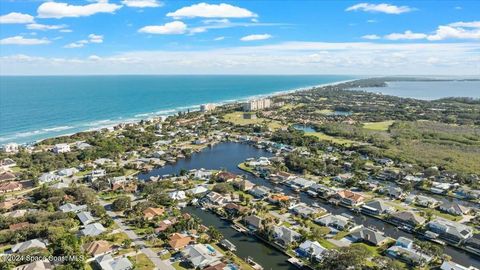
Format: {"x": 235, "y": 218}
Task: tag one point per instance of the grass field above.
{"x": 325, "y": 137}
{"x": 324, "y": 111}
{"x": 378, "y": 126}
{"x": 236, "y": 118}
{"x": 141, "y": 262}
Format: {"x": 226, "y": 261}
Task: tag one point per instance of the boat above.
{"x": 237, "y": 228}
{"x": 315, "y": 204}
{"x": 296, "y": 262}
{"x": 253, "y": 264}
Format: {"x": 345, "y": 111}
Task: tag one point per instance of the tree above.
{"x": 122, "y": 203}
{"x": 215, "y": 234}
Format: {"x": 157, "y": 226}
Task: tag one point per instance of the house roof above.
{"x": 409, "y": 216}
{"x": 34, "y": 243}
{"x": 151, "y": 212}
{"x": 378, "y": 205}
{"x": 36, "y": 265}
{"x": 93, "y": 229}
{"x": 5, "y": 176}
{"x": 253, "y": 220}
{"x": 351, "y": 195}
{"x": 178, "y": 241}
{"x": 454, "y": 207}
{"x": 107, "y": 262}
{"x": 285, "y": 234}
{"x": 97, "y": 247}
{"x": 369, "y": 235}
{"x": 85, "y": 217}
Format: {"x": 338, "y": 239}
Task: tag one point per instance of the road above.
{"x": 160, "y": 265}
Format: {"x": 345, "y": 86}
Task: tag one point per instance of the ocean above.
{"x": 38, "y": 107}
{"x": 429, "y": 90}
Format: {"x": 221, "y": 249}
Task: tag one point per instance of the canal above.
{"x": 229, "y": 154}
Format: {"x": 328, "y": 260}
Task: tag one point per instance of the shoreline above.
{"x": 97, "y": 125}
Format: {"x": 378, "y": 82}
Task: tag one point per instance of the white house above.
{"x": 10, "y": 148}
{"x": 61, "y": 148}
{"x": 34, "y": 243}
{"x": 177, "y": 195}
{"x": 48, "y": 177}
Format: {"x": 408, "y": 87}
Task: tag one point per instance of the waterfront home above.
{"x": 36, "y": 265}
{"x": 198, "y": 190}
{"x": 393, "y": 192}
{"x": 449, "y": 265}
{"x": 454, "y": 208}
{"x": 450, "y": 231}
{"x": 300, "y": 183}
{"x": 425, "y": 201}
{"x": 85, "y": 217}
{"x": 107, "y": 262}
{"x": 407, "y": 218}
{"x": 303, "y": 210}
{"x": 233, "y": 209}
{"x": 93, "y": 229}
{"x": 97, "y": 248}
{"x": 225, "y": 176}
{"x": 253, "y": 222}
{"x": 243, "y": 184}
{"x": 377, "y": 207}
{"x": 10, "y": 148}
{"x": 7, "y": 176}
{"x": 178, "y": 241}
{"x": 405, "y": 250}
{"x": 70, "y": 207}
{"x": 10, "y": 187}
{"x": 48, "y": 178}
{"x": 201, "y": 174}
{"x": 216, "y": 198}
{"x": 349, "y": 198}
{"x": 163, "y": 225}
{"x": 67, "y": 172}
{"x": 260, "y": 192}
{"x": 468, "y": 193}
{"x": 321, "y": 190}
{"x": 285, "y": 236}
{"x": 338, "y": 222}
{"x": 369, "y": 236}
{"x": 178, "y": 195}
{"x": 80, "y": 145}
{"x": 261, "y": 161}
{"x": 23, "y": 246}
{"x": 95, "y": 174}
{"x": 151, "y": 212}
{"x": 201, "y": 255}
{"x": 312, "y": 250}
{"x": 280, "y": 199}
{"x": 61, "y": 148}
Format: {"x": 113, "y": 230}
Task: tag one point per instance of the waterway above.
{"x": 228, "y": 155}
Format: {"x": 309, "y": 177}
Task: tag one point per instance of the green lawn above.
{"x": 236, "y": 118}
{"x": 141, "y": 262}
{"x": 325, "y": 137}
{"x": 244, "y": 167}
{"x": 378, "y": 126}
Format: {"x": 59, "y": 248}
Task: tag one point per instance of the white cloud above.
{"x": 19, "y": 40}
{"x": 171, "y": 28}
{"x": 61, "y": 10}
{"x": 383, "y": 8}
{"x": 406, "y": 35}
{"x": 37, "y": 26}
{"x": 473, "y": 24}
{"x": 15, "y": 17}
{"x": 142, "y": 3}
{"x": 281, "y": 58}
{"x": 219, "y": 38}
{"x": 370, "y": 37}
{"x": 256, "y": 37}
{"x": 66, "y": 30}
{"x": 205, "y": 10}
{"x": 92, "y": 38}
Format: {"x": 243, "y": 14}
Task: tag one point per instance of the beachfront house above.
{"x": 61, "y": 148}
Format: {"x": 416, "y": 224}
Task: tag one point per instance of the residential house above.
{"x": 10, "y": 187}
{"x": 377, "y": 207}
{"x": 201, "y": 255}
{"x": 243, "y": 184}
{"x": 394, "y": 192}
{"x": 260, "y": 192}
{"x": 349, "y": 198}
{"x": 225, "y": 176}
{"x": 7, "y": 176}
{"x": 95, "y": 174}
{"x": 407, "y": 218}
{"x": 85, "y": 217}
{"x": 23, "y": 246}
{"x": 454, "y": 208}
{"x": 93, "y": 229}
{"x": 425, "y": 201}
{"x": 61, "y": 148}
{"x": 70, "y": 207}
{"x": 216, "y": 198}
{"x": 201, "y": 174}
{"x": 36, "y": 265}
{"x": 300, "y": 183}
{"x": 312, "y": 249}
{"x": 343, "y": 178}
{"x": 67, "y": 172}
{"x": 163, "y": 225}
{"x": 7, "y": 163}
{"x": 338, "y": 222}
{"x": 253, "y": 222}
{"x": 178, "y": 195}
{"x": 198, "y": 190}
{"x": 178, "y": 241}
{"x": 10, "y": 148}
{"x": 303, "y": 210}
{"x": 449, "y": 265}
{"x": 450, "y": 231}
{"x": 405, "y": 250}
{"x": 233, "y": 209}
{"x": 151, "y": 212}
{"x": 48, "y": 178}
{"x": 107, "y": 262}
{"x": 321, "y": 190}
{"x": 97, "y": 248}
{"x": 369, "y": 236}
{"x": 284, "y": 235}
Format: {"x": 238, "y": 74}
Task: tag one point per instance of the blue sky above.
{"x": 259, "y": 37}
